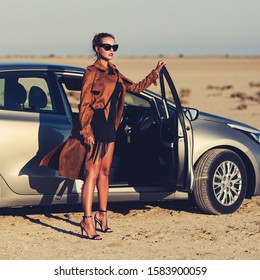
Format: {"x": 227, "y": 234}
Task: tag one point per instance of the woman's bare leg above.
{"x": 103, "y": 184}
{"x": 87, "y": 195}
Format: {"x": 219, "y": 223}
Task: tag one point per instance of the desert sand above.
{"x": 227, "y": 86}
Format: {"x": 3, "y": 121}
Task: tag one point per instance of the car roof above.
{"x": 14, "y": 66}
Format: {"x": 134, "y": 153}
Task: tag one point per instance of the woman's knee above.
{"x": 92, "y": 174}
{"x": 105, "y": 171}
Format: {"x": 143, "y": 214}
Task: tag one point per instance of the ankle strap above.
{"x": 100, "y": 210}
{"x": 87, "y": 217}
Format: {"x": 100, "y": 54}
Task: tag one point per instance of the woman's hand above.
{"x": 90, "y": 141}
{"x": 159, "y": 66}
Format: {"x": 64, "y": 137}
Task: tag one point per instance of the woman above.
{"x": 88, "y": 152}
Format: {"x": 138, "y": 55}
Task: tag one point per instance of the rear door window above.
{"x": 31, "y": 92}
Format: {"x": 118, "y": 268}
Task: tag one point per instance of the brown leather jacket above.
{"x": 98, "y": 85}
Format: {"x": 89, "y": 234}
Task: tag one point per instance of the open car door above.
{"x": 176, "y": 136}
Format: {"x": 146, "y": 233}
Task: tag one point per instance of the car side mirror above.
{"x": 191, "y": 113}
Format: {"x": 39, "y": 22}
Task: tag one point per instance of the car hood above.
{"x": 219, "y": 119}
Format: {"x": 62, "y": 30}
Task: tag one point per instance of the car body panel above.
{"x": 213, "y": 134}
{"x": 254, "y": 157}
{"x": 28, "y": 144}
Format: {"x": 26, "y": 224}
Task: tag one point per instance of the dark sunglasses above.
{"x": 108, "y": 47}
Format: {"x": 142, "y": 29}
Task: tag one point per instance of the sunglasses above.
{"x": 108, "y": 47}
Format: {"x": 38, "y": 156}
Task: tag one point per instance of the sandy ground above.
{"x": 162, "y": 230}
{"x": 141, "y": 231}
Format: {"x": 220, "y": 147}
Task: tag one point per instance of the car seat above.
{"x": 37, "y": 98}
{"x": 15, "y": 94}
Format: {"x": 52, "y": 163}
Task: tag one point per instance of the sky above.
{"x": 141, "y": 27}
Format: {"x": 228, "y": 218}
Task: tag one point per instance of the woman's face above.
{"x": 104, "y": 54}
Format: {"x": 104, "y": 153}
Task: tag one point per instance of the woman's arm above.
{"x": 146, "y": 82}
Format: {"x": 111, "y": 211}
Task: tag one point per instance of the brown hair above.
{"x": 98, "y": 38}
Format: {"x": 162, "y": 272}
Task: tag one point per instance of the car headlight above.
{"x": 251, "y": 132}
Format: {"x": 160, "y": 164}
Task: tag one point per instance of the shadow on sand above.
{"x": 123, "y": 208}
{"x": 51, "y": 212}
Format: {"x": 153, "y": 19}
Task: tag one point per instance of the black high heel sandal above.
{"x": 97, "y": 221}
{"x": 94, "y": 237}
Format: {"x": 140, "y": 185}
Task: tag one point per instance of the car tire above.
{"x": 220, "y": 182}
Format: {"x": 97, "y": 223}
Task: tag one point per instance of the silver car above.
{"x": 164, "y": 151}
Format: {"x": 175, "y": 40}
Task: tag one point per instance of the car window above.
{"x": 134, "y": 100}
{"x": 26, "y": 92}
{"x": 1, "y": 92}
{"x": 72, "y": 87}
{"x": 39, "y": 88}
{"x": 161, "y": 109}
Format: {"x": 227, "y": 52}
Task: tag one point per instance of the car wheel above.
{"x": 220, "y": 182}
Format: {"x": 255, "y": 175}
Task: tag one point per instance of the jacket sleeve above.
{"x": 138, "y": 87}
{"x": 86, "y": 100}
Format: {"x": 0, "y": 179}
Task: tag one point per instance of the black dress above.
{"x": 104, "y": 129}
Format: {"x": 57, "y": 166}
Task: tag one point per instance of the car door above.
{"x": 176, "y": 136}
{"x": 33, "y": 119}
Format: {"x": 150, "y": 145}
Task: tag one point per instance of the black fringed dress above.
{"x": 104, "y": 129}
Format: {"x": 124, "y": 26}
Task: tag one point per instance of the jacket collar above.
{"x": 101, "y": 67}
